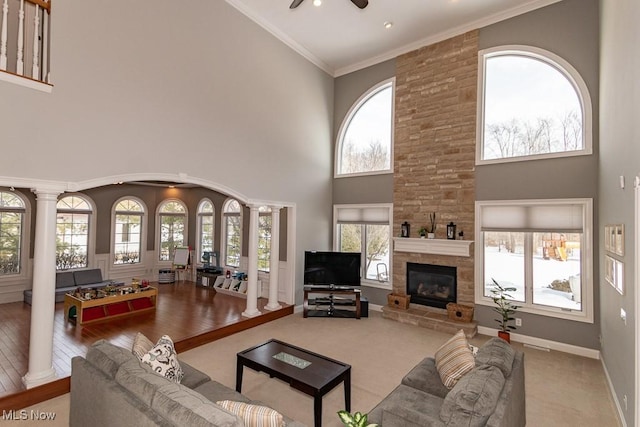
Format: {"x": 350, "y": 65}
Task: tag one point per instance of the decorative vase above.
{"x": 431, "y": 235}
{"x": 505, "y": 336}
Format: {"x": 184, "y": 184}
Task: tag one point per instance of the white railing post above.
{"x": 35, "y": 68}
{"x": 3, "y": 36}
{"x": 20, "y": 65}
{"x": 45, "y": 46}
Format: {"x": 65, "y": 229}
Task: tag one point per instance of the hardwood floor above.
{"x": 190, "y": 315}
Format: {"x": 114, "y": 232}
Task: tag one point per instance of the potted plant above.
{"x": 431, "y": 228}
{"x": 354, "y": 420}
{"x": 422, "y": 232}
{"x": 505, "y": 308}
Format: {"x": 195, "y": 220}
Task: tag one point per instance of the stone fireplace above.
{"x": 434, "y": 166}
{"x": 431, "y": 285}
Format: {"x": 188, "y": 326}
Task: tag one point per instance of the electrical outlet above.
{"x": 624, "y": 401}
{"x": 623, "y": 315}
{"x": 518, "y": 321}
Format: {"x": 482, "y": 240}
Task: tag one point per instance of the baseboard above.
{"x": 545, "y": 344}
{"x": 614, "y": 396}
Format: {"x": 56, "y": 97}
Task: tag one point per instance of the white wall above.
{"x": 170, "y": 87}
{"x": 619, "y": 156}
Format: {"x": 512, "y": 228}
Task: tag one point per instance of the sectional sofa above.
{"x": 111, "y": 387}
{"x": 68, "y": 281}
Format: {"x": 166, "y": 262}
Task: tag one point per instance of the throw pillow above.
{"x": 163, "y": 360}
{"x": 454, "y": 359}
{"x": 141, "y": 345}
{"x": 497, "y": 352}
{"x": 253, "y": 415}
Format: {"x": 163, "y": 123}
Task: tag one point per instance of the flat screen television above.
{"x": 332, "y": 268}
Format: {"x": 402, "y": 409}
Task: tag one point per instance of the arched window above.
{"x": 264, "y": 238}
{"x": 128, "y": 231}
{"x": 12, "y": 232}
{"x": 534, "y": 104}
{"x": 172, "y": 220}
{"x": 232, "y": 212}
{"x": 206, "y": 218}
{"x": 72, "y": 232}
{"x": 365, "y": 140}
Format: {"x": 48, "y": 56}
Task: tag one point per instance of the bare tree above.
{"x": 373, "y": 157}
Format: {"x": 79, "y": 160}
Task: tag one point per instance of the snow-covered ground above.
{"x": 508, "y": 269}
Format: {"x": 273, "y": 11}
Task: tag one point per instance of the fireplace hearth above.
{"x": 431, "y": 285}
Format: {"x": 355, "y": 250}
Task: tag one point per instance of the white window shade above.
{"x": 365, "y": 215}
{"x": 568, "y": 218}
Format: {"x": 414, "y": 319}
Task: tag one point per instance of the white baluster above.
{"x": 20, "y": 66}
{"x": 45, "y": 46}
{"x": 3, "y": 36}
{"x": 35, "y": 69}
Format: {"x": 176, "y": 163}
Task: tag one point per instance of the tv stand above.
{"x": 339, "y": 301}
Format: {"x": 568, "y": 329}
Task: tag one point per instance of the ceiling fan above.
{"x": 360, "y": 3}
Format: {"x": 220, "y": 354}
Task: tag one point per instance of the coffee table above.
{"x": 304, "y": 370}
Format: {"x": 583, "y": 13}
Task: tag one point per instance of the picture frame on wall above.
{"x": 618, "y": 247}
{"x": 614, "y": 273}
{"x": 614, "y": 239}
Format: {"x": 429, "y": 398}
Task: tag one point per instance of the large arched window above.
{"x": 12, "y": 232}
{"x": 232, "y": 212}
{"x": 128, "y": 229}
{"x": 172, "y": 220}
{"x": 533, "y": 104}
{"x": 206, "y": 218}
{"x": 72, "y": 232}
{"x": 365, "y": 140}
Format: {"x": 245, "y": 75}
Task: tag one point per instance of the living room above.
{"x": 221, "y": 124}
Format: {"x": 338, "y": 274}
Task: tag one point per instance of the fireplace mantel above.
{"x": 433, "y": 246}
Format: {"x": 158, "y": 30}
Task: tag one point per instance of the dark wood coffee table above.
{"x": 309, "y": 372}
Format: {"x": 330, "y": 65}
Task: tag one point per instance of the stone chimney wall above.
{"x": 434, "y": 150}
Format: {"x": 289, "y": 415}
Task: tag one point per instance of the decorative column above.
{"x": 252, "y": 286}
{"x": 44, "y": 283}
{"x": 274, "y": 259}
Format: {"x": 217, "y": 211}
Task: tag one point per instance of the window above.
{"x": 366, "y": 229}
{"x": 12, "y": 229}
{"x": 232, "y": 232}
{"x": 172, "y": 220}
{"x": 543, "y": 249}
{"x": 72, "y": 232}
{"x": 128, "y": 227}
{"x": 365, "y": 140}
{"x": 206, "y": 217}
{"x": 264, "y": 238}
{"x": 533, "y": 104}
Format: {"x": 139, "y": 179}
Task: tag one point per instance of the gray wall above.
{"x": 570, "y": 30}
{"x": 620, "y": 156}
{"x": 150, "y": 87}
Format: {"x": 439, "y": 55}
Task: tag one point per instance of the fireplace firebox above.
{"x": 431, "y": 285}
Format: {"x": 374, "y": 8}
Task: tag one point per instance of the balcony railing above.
{"x": 24, "y": 39}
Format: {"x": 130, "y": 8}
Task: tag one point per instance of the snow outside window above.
{"x": 542, "y": 249}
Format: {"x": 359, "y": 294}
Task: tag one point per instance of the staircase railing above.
{"x": 24, "y": 38}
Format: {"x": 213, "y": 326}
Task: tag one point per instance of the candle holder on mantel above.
{"x": 405, "y": 229}
{"x": 451, "y": 231}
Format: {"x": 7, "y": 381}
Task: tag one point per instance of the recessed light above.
{"x": 317, "y": 2}
{"x": 388, "y": 24}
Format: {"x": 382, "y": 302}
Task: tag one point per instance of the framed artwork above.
{"x": 618, "y": 247}
{"x": 614, "y": 273}
{"x": 614, "y": 239}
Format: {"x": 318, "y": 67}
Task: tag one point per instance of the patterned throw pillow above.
{"x": 163, "y": 359}
{"x": 253, "y": 415}
{"x": 141, "y": 345}
{"x": 454, "y": 359}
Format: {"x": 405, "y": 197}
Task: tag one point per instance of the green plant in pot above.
{"x": 354, "y": 420}
{"x": 505, "y": 308}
